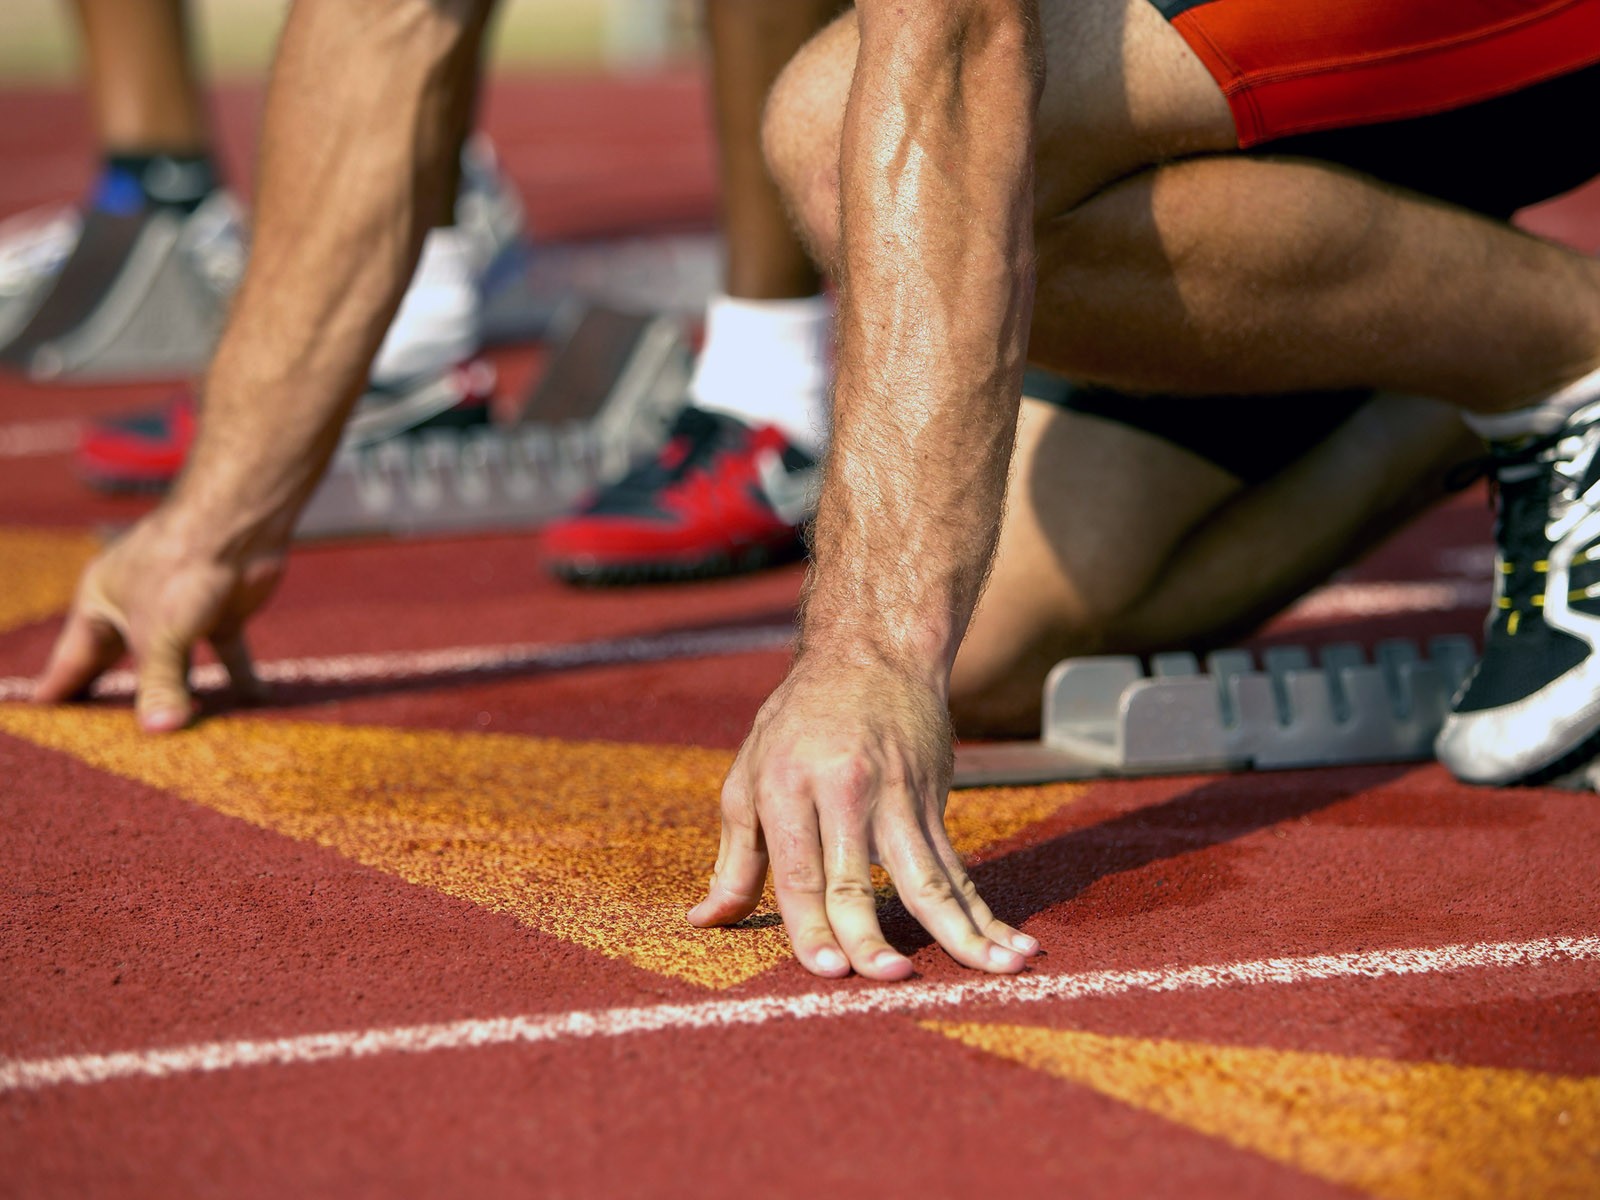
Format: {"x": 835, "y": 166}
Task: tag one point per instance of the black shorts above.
{"x": 1252, "y": 437}
{"x": 1492, "y": 157}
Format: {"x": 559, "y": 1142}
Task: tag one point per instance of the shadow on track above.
{"x": 320, "y": 684}
{"x": 1213, "y": 814}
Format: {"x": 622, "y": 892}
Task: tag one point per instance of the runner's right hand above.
{"x": 154, "y": 594}
{"x": 845, "y": 767}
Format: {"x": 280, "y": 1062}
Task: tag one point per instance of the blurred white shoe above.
{"x": 437, "y": 325}
{"x": 440, "y": 321}
{"x": 33, "y": 247}
{"x": 488, "y": 209}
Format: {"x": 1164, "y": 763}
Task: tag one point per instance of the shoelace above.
{"x": 1531, "y": 490}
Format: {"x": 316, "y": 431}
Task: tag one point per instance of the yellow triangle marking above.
{"x": 39, "y": 571}
{"x": 1399, "y": 1130}
{"x": 602, "y": 844}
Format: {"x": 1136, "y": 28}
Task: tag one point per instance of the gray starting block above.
{"x": 528, "y": 289}
{"x": 1107, "y": 717}
{"x": 153, "y": 309}
{"x": 606, "y": 398}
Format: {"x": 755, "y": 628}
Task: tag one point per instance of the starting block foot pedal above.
{"x": 526, "y": 293}
{"x": 1106, "y": 717}
{"x": 608, "y": 396}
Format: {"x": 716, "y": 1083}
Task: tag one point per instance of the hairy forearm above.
{"x": 364, "y": 116}
{"x": 936, "y": 293}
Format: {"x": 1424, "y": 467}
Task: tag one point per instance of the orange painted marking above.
{"x": 602, "y": 844}
{"x": 1399, "y": 1130}
{"x": 39, "y": 571}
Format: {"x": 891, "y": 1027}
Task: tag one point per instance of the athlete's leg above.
{"x": 142, "y": 86}
{"x": 1117, "y": 541}
{"x": 1094, "y": 510}
{"x": 1237, "y": 274}
{"x": 1229, "y": 274}
{"x": 1122, "y": 90}
{"x": 751, "y": 41}
{"x": 149, "y": 123}
{"x": 758, "y": 400}
{"x": 765, "y": 355}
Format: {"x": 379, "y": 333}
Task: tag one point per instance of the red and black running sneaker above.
{"x": 720, "y": 498}
{"x": 143, "y": 452}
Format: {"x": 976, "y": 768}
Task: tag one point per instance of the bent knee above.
{"x": 997, "y": 684}
{"x": 801, "y": 131}
{"x": 994, "y": 704}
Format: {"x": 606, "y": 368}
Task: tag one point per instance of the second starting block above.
{"x": 1106, "y": 716}
{"x": 607, "y": 397}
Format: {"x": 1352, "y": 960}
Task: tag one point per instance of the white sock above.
{"x": 1543, "y": 416}
{"x": 767, "y": 363}
{"x": 438, "y": 324}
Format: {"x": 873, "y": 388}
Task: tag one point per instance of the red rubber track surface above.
{"x": 265, "y": 878}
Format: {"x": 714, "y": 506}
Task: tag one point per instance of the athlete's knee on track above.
{"x": 990, "y": 702}
{"x": 995, "y": 693}
{"x": 998, "y": 681}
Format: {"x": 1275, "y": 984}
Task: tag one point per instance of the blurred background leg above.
{"x": 730, "y": 491}
{"x": 750, "y": 42}
{"x": 75, "y": 286}
{"x": 143, "y": 87}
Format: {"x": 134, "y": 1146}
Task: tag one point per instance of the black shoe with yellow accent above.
{"x": 1532, "y": 706}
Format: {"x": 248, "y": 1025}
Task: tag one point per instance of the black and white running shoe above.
{"x": 1532, "y": 705}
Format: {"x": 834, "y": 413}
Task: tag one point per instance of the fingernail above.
{"x": 1023, "y": 944}
{"x": 164, "y": 720}
{"x": 886, "y": 960}
{"x": 830, "y": 959}
{"x": 1001, "y": 957}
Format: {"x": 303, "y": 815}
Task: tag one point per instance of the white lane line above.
{"x": 1339, "y": 601}
{"x": 35, "y": 1074}
{"x": 447, "y": 665}
{"x": 1336, "y": 601}
{"x": 36, "y": 439}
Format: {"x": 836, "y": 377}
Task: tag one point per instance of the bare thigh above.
{"x": 1116, "y": 541}
{"x": 1123, "y": 91}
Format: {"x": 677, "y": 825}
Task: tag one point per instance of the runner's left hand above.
{"x": 155, "y": 594}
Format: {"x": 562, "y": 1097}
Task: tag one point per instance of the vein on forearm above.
{"x": 936, "y": 291}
